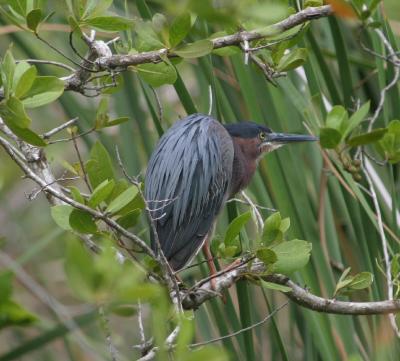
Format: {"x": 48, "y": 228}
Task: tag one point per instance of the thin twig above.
{"x": 82, "y": 165}
{"x": 238, "y": 200}
{"x": 48, "y": 62}
{"x": 59, "y": 128}
{"x": 210, "y": 100}
{"x": 85, "y": 60}
{"x": 73, "y": 137}
{"x": 35, "y": 193}
{"x": 384, "y": 242}
{"x": 255, "y": 211}
{"x": 62, "y": 54}
{"x": 395, "y": 79}
{"x": 140, "y": 322}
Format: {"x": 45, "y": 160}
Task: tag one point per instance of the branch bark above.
{"x": 311, "y": 13}
{"x": 195, "y": 297}
{"x": 100, "y": 54}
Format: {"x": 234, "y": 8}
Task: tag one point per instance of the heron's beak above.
{"x": 283, "y": 138}
{"x": 277, "y": 140}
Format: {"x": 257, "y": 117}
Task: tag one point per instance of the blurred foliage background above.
{"x": 291, "y": 180}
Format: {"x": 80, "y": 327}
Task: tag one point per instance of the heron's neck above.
{"x": 244, "y": 166}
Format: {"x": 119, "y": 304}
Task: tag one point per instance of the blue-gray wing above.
{"x": 187, "y": 181}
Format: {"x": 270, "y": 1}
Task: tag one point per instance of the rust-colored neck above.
{"x": 245, "y": 162}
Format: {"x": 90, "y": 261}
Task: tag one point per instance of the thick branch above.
{"x": 311, "y": 13}
{"x": 54, "y": 192}
{"x": 299, "y": 295}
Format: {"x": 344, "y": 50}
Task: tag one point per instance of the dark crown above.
{"x": 246, "y": 129}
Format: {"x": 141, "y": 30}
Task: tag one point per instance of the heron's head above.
{"x": 256, "y": 140}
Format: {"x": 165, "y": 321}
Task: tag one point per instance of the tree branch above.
{"x": 311, "y": 13}
{"x": 194, "y": 298}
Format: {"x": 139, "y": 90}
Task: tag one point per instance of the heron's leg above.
{"x": 210, "y": 261}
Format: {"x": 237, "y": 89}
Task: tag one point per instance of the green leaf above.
{"x": 336, "y": 117}
{"x": 33, "y": 19}
{"x": 6, "y": 279}
{"x": 75, "y": 27}
{"x": 343, "y": 281}
{"x": 194, "y": 50}
{"x": 96, "y": 7}
{"x": 157, "y": 74}
{"x": 99, "y": 166}
{"x": 228, "y": 251}
{"x": 101, "y": 193}
{"x": 102, "y": 113}
{"x": 160, "y": 24}
{"x": 292, "y": 256}
{"x": 13, "y": 112}
{"x": 180, "y": 27}
{"x": 12, "y": 18}
{"x": 361, "y": 280}
{"x": 130, "y": 219}
{"x": 292, "y": 60}
{"x": 275, "y": 286}
{"x": 122, "y": 200}
{"x": 348, "y": 283}
{"x": 329, "y": 138}
{"x": 82, "y": 222}
{"x": 355, "y": 120}
{"x": 274, "y": 228}
{"x": 390, "y": 143}
{"x": 285, "y": 225}
{"x": 227, "y": 51}
{"x": 136, "y": 203}
{"x": 124, "y": 310}
{"x": 266, "y": 255}
{"x": 146, "y": 38}
{"x": 27, "y": 135}
{"x": 61, "y": 214}
{"x": 19, "y": 6}
{"x": 109, "y": 23}
{"x": 45, "y": 89}
{"x": 116, "y": 121}
{"x": 76, "y": 194}
{"x": 7, "y": 73}
{"x": 271, "y": 229}
{"x": 235, "y": 227}
{"x": 367, "y": 138}
{"x": 24, "y": 78}
{"x": 373, "y": 5}
{"x": 13, "y": 314}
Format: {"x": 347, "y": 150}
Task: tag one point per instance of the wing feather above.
{"x": 186, "y": 183}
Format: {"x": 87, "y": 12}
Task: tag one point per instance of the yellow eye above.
{"x": 262, "y": 136}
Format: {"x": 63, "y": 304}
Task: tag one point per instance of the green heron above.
{"x": 196, "y": 167}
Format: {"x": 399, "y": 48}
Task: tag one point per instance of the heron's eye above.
{"x": 262, "y": 136}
